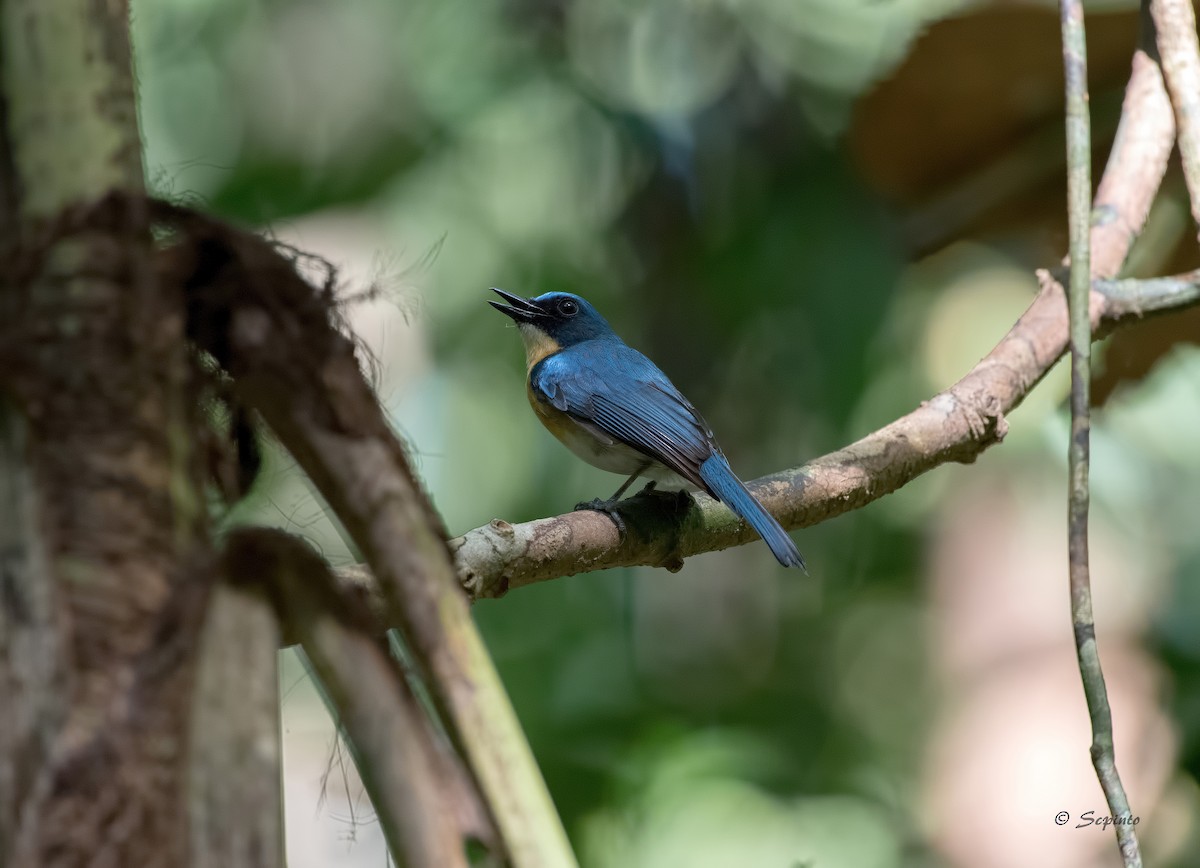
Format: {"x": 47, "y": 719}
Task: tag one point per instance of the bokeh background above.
{"x": 813, "y": 214}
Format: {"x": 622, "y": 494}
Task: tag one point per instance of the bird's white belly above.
{"x": 600, "y": 450}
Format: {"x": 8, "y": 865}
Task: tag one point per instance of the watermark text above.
{"x": 1100, "y": 821}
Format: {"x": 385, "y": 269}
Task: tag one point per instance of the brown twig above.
{"x": 1175, "y": 21}
{"x": 1137, "y": 161}
{"x": 1079, "y": 200}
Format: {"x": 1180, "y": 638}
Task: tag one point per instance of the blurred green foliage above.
{"x": 681, "y": 164}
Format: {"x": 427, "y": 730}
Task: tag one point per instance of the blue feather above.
{"x": 721, "y": 480}
{"x": 611, "y": 385}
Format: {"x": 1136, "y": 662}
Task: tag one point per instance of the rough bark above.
{"x": 113, "y": 537}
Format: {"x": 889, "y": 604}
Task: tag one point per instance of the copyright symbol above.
{"x": 1061, "y": 818}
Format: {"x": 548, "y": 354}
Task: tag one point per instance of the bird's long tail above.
{"x": 716, "y": 472}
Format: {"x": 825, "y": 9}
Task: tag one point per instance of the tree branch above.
{"x": 500, "y": 556}
{"x": 955, "y": 425}
{"x": 1175, "y": 21}
{"x": 1079, "y": 199}
{"x": 274, "y": 333}
{"x": 1137, "y": 299}
{"x": 387, "y": 730}
{"x": 1138, "y": 159}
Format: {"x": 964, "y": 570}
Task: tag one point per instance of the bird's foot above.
{"x": 605, "y": 507}
{"x": 673, "y": 501}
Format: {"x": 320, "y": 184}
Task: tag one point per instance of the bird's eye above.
{"x": 567, "y": 307}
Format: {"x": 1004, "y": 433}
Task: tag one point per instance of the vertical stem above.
{"x": 235, "y": 794}
{"x": 1079, "y": 194}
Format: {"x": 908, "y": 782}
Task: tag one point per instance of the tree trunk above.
{"x": 106, "y": 564}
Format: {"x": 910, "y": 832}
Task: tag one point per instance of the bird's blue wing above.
{"x": 615, "y": 388}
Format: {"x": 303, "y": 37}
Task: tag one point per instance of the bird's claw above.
{"x": 605, "y": 507}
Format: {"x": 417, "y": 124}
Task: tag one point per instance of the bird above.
{"x": 614, "y": 408}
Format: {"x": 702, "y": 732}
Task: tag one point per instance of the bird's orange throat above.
{"x": 538, "y": 345}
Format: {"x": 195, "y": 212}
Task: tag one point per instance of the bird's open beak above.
{"x": 520, "y": 309}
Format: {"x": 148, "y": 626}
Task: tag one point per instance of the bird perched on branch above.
{"x": 616, "y": 410}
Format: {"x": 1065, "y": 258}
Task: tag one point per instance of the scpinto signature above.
{"x": 1089, "y": 818}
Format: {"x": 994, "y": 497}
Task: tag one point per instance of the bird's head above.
{"x": 553, "y": 321}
